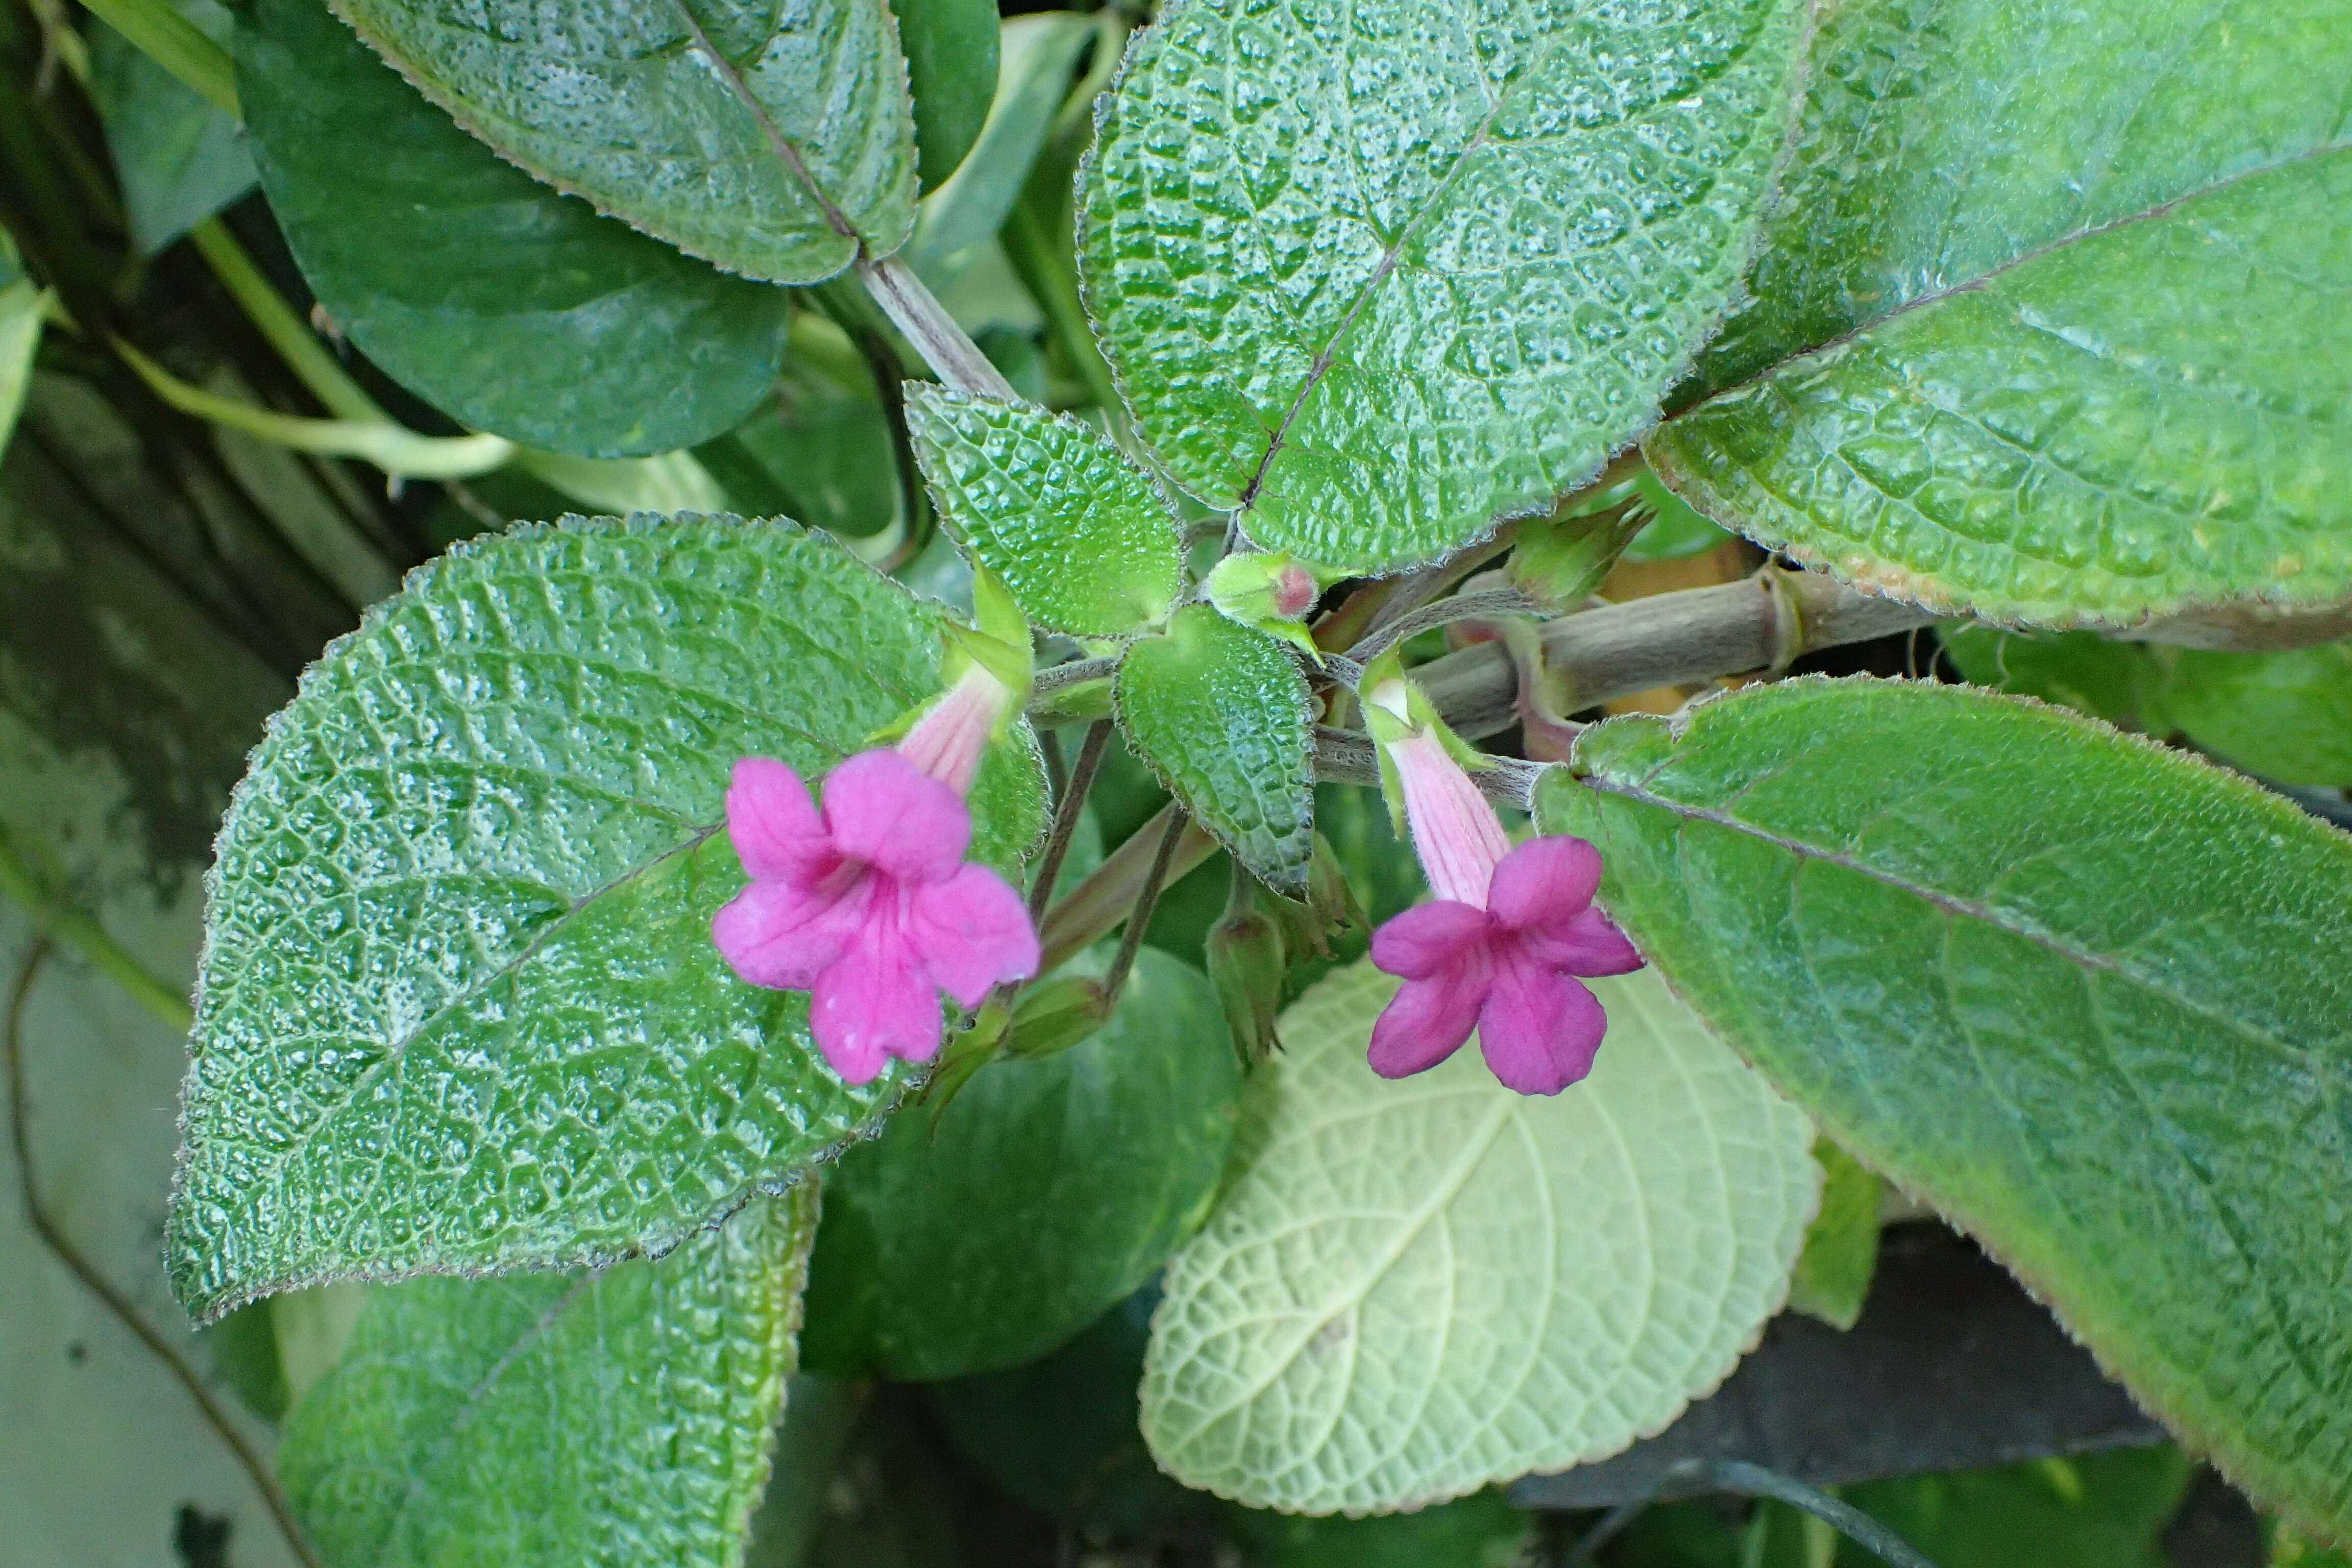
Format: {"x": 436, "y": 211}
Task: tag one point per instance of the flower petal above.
{"x": 1427, "y": 938}
{"x": 784, "y": 934}
{"x": 973, "y": 931}
{"x": 775, "y": 829}
{"x": 1587, "y": 942}
{"x": 876, "y": 1001}
{"x": 1544, "y": 881}
{"x": 1427, "y": 1020}
{"x": 882, "y": 809}
{"x": 1540, "y": 1028}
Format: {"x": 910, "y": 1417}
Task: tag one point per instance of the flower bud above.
{"x": 1055, "y": 1015}
{"x": 1272, "y": 592}
{"x": 1248, "y": 954}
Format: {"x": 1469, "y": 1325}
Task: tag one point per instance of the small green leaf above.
{"x": 2066, "y": 289}
{"x": 1382, "y": 279}
{"x": 1220, "y": 711}
{"x": 179, "y": 157}
{"x": 511, "y": 308}
{"x": 1834, "y": 1272}
{"x": 1051, "y": 1189}
{"x": 1081, "y": 536}
{"x": 1411, "y": 1289}
{"x": 2089, "y": 998}
{"x": 460, "y": 1008}
{"x": 2286, "y": 716}
{"x": 607, "y": 1419}
{"x": 950, "y": 47}
{"x": 772, "y": 143}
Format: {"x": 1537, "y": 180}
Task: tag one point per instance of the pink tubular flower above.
{"x": 869, "y": 905}
{"x": 1499, "y": 948}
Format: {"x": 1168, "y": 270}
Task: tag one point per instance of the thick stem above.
{"x": 1071, "y": 802}
{"x": 1139, "y": 919}
{"x": 945, "y": 347}
{"x": 1095, "y": 906}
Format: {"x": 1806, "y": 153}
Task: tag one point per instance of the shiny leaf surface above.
{"x": 460, "y": 1007}
{"x": 2089, "y": 998}
{"x": 1410, "y": 1290}
{"x": 1383, "y": 272}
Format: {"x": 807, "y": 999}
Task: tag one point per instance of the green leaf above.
{"x": 2121, "y": 682}
{"x": 2091, "y": 999}
{"x": 2286, "y": 716}
{"x": 1481, "y": 1530}
{"x": 1383, "y": 279}
{"x": 460, "y": 1007}
{"x": 770, "y": 142}
{"x": 2094, "y": 1510}
{"x": 2076, "y": 277}
{"x": 950, "y": 47}
{"x": 1052, "y": 1189}
{"x": 511, "y": 308}
{"x": 23, "y": 311}
{"x": 1410, "y": 1290}
{"x": 1674, "y": 531}
{"x": 179, "y": 158}
{"x": 1081, "y": 536}
{"x": 611, "y": 1418}
{"x": 1841, "y": 1251}
{"x": 1220, "y": 711}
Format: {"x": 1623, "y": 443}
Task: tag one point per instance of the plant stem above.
{"x": 67, "y": 924}
{"x": 1139, "y": 919}
{"x": 1095, "y": 906}
{"x": 158, "y": 31}
{"x": 1067, "y": 807}
{"x": 1744, "y": 1480}
{"x": 286, "y": 333}
{"x": 945, "y": 347}
{"x": 1485, "y": 604}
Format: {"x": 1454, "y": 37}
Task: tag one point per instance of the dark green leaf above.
{"x": 950, "y": 47}
{"x": 1481, "y": 1530}
{"x": 1220, "y": 712}
{"x": 1383, "y": 276}
{"x": 461, "y": 1010}
{"x": 2095, "y": 1511}
{"x": 607, "y": 1419}
{"x": 180, "y": 158}
{"x": 513, "y": 309}
{"x": 773, "y": 143}
{"x": 2090, "y": 998}
{"x": 1052, "y": 1189}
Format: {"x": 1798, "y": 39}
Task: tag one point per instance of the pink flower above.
{"x": 869, "y": 905}
{"x": 1500, "y": 947}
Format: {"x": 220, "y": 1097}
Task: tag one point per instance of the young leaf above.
{"x": 1410, "y": 1290}
{"x": 511, "y": 308}
{"x": 1079, "y": 534}
{"x": 2089, "y": 998}
{"x": 773, "y": 143}
{"x": 607, "y": 1419}
{"x": 1383, "y": 276}
{"x": 460, "y": 1005}
{"x": 950, "y": 47}
{"x": 2286, "y": 716}
{"x": 2077, "y": 282}
{"x": 1051, "y": 1189}
{"x": 1220, "y": 711}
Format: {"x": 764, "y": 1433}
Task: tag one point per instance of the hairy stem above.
{"x": 1095, "y": 906}
{"x": 1069, "y": 805}
{"x": 944, "y": 345}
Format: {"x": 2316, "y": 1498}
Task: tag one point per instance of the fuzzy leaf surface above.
{"x": 769, "y": 141}
{"x": 460, "y": 1008}
{"x": 607, "y": 1419}
{"x": 1383, "y": 272}
{"x": 1220, "y": 711}
{"x": 1411, "y": 1289}
{"x": 2091, "y": 999}
{"x": 1082, "y": 538}
{"x": 2065, "y": 289}
{"x": 512, "y": 308}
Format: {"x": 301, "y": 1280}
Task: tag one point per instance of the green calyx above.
{"x": 1272, "y": 591}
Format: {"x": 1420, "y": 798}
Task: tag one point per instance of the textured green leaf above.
{"x": 1383, "y": 272}
{"x": 770, "y": 142}
{"x": 1410, "y": 1290}
{"x": 2078, "y": 275}
{"x": 511, "y": 308}
{"x": 2286, "y": 716}
{"x": 1220, "y": 711}
{"x": 1841, "y": 1251}
{"x": 950, "y": 47}
{"x": 179, "y": 157}
{"x": 2090, "y": 998}
{"x": 1052, "y": 1189}
{"x": 1080, "y": 535}
{"x": 607, "y": 1419}
{"x": 460, "y": 1007}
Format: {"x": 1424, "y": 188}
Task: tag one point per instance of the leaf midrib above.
{"x": 778, "y": 143}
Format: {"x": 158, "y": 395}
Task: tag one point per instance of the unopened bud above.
{"x": 1055, "y": 1015}
{"x": 1560, "y": 560}
{"x": 1272, "y": 592}
{"x": 1247, "y": 955}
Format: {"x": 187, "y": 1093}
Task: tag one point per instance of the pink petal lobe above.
{"x": 784, "y": 934}
{"x": 775, "y": 829}
{"x": 1427, "y": 1020}
{"x": 883, "y": 809}
{"x": 971, "y": 930}
{"x": 1587, "y": 942}
{"x": 1427, "y": 938}
{"x": 1544, "y": 881}
{"x": 1540, "y": 1028}
{"x": 876, "y": 1001}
